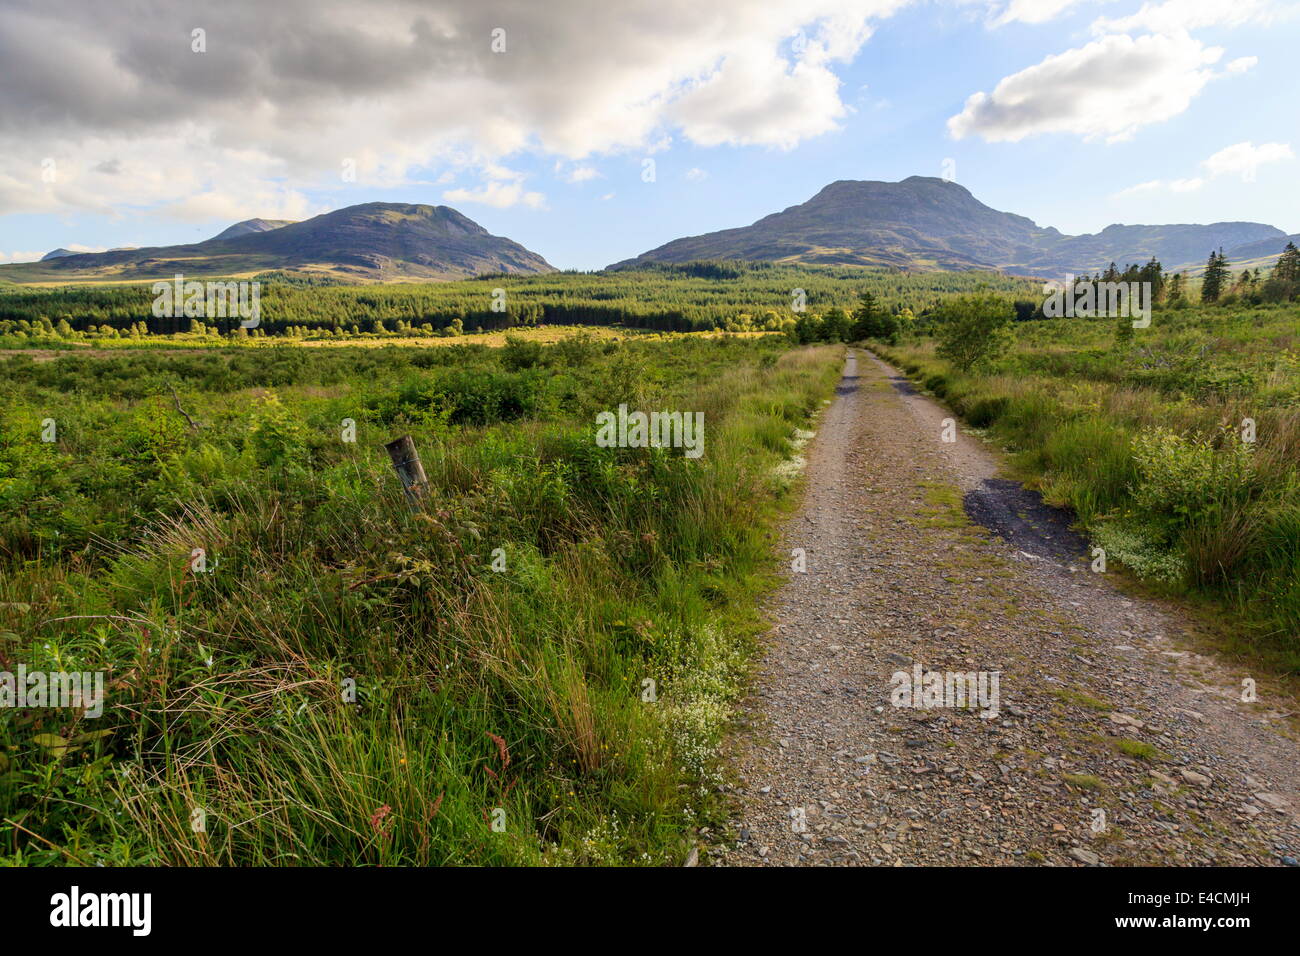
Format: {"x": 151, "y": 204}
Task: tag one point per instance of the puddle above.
{"x": 1021, "y": 518}
{"x": 902, "y": 385}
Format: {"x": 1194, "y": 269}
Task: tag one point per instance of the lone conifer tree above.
{"x": 1216, "y": 274}
{"x": 1288, "y": 264}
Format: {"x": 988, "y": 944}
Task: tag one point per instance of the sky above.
{"x": 594, "y": 130}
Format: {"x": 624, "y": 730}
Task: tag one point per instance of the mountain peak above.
{"x": 925, "y": 222}
{"x": 375, "y": 240}
{"x": 251, "y": 227}
{"x": 921, "y": 222}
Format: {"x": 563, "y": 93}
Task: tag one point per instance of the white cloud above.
{"x": 1034, "y": 11}
{"x": 502, "y": 195}
{"x": 607, "y": 197}
{"x": 263, "y": 202}
{"x": 1243, "y": 159}
{"x": 696, "y": 175}
{"x": 20, "y": 256}
{"x": 1107, "y": 89}
{"x": 1150, "y": 185}
{"x": 1177, "y": 16}
{"x": 1240, "y": 159}
{"x": 1241, "y": 64}
{"x": 287, "y": 92}
{"x": 581, "y": 174}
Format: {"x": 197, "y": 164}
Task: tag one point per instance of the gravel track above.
{"x": 918, "y": 554}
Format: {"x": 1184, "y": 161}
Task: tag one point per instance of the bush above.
{"x": 1183, "y": 481}
{"x": 974, "y": 329}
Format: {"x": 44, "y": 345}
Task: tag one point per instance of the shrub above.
{"x": 1183, "y": 480}
{"x": 974, "y": 329}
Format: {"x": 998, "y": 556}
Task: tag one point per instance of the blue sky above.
{"x": 121, "y": 132}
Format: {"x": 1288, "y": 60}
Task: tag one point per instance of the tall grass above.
{"x": 351, "y": 683}
{"x": 1145, "y": 441}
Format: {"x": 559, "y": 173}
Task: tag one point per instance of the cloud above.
{"x": 1177, "y": 16}
{"x": 1107, "y": 89}
{"x": 288, "y": 93}
{"x": 502, "y": 195}
{"x": 1240, "y": 159}
{"x": 20, "y": 256}
{"x": 264, "y": 202}
{"x": 1150, "y": 185}
{"x": 696, "y": 175}
{"x": 1243, "y": 159}
{"x": 1034, "y": 11}
{"x": 581, "y": 174}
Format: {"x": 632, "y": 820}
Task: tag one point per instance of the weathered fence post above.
{"x": 406, "y": 462}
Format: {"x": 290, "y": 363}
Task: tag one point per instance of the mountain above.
{"x": 249, "y": 226}
{"x": 369, "y": 242}
{"x": 1175, "y": 246}
{"x": 1264, "y": 252}
{"x": 57, "y": 254}
{"x": 928, "y": 223}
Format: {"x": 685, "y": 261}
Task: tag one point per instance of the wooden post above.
{"x": 406, "y": 462}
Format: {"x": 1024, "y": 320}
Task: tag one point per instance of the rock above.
{"x": 1275, "y": 802}
{"x": 1191, "y": 776}
{"x": 692, "y": 858}
{"x": 1086, "y": 857}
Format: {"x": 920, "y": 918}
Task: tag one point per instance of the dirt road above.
{"x": 1108, "y": 742}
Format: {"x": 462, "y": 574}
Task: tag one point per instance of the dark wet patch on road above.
{"x": 1020, "y": 517}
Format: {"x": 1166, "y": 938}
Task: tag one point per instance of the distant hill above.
{"x": 928, "y": 223}
{"x": 373, "y": 241}
{"x": 57, "y": 254}
{"x": 1262, "y": 254}
{"x": 249, "y": 226}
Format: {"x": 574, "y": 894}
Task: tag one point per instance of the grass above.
{"x": 340, "y": 679}
{"x": 942, "y": 506}
{"x": 1083, "y": 781}
{"x": 1137, "y": 749}
{"x": 1146, "y": 441}
{"x": 1079, "y": 699}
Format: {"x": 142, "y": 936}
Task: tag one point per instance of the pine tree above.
{"x": 1216, "y": 274}
{"x": 1176, "y": 282}
{"x": 1154, "y": 273}
{"x": 1288, "y": 264}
